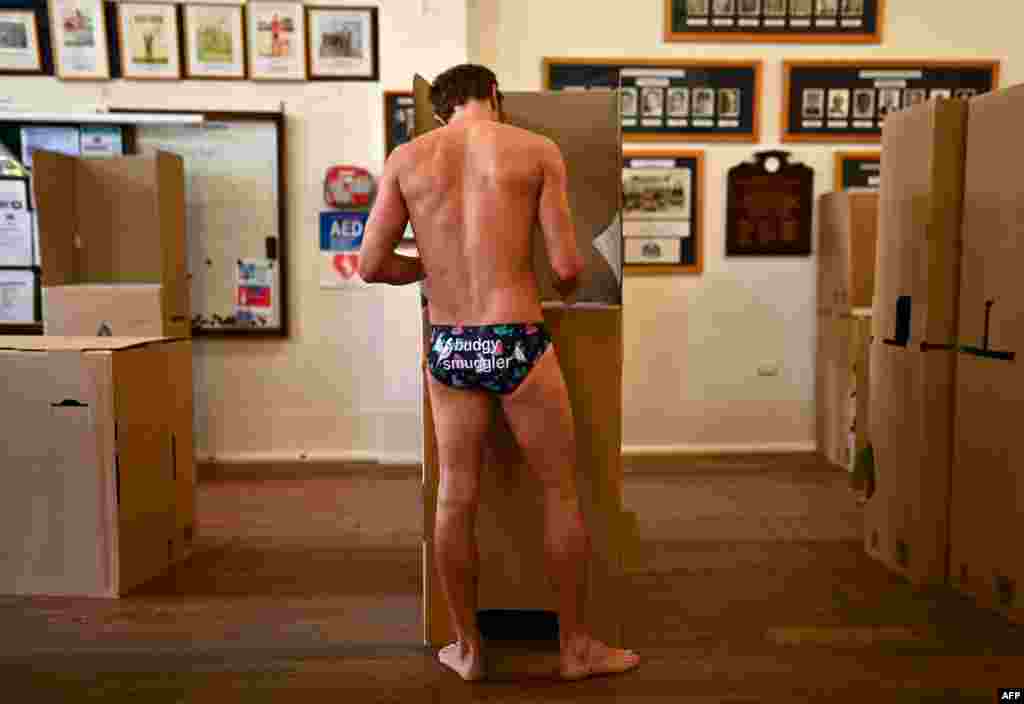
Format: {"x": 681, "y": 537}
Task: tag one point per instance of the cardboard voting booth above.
{"x": 588, "y": 340}
{"x": 98, "y": 462}
{"x": 988, "y": 469}
{"x": 112, "y": 235}
{"x": 914, "y": 328}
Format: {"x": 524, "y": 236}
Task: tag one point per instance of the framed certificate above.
{"x": 662, "y": 195}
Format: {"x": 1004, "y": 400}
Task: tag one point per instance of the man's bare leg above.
{"x": 540, "y": 416}
{"x": 461, "y": 420}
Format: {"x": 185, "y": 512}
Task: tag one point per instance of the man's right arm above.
{"x": 556, "y": 221}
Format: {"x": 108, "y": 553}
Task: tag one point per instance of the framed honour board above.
{"x": 807, "y": 21}
{"x": 847, "y": 101}
{"x": 668, "y": 100}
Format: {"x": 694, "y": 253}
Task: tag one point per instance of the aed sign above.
{"x": 342, "y": 230}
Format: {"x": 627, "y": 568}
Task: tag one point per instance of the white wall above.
{"x": 694, "y": 343}
{"x": 346, "y": 383}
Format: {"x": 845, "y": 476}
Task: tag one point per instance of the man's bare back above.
{"x": 473, "y": 192}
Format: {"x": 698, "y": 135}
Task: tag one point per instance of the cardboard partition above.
{"x": 113, "y": 221}
{"x": 90, "y": 504}
{"x": 911, "y": 425}
{"x": 121, "y": 310}
{"x": 988, "y": 481}
{"x": 920, "y": 209}
{"x": 848, "y": 235}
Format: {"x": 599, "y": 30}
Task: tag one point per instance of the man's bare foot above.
{"x": 596, "y": 658}
{"x": 469, "y": 664}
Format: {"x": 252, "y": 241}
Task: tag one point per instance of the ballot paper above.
{"x": 15, "y": 224}
{"x": 17, "y": 296}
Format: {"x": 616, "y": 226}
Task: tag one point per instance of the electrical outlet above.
{"x": 768, "y": 369}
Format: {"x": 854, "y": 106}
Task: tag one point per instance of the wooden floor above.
{"x": 750, "y": 585}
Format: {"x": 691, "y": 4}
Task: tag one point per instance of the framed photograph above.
{"x": 678, "y": 102}
{"x": 148, "y": 37}
{"x": 858, "y": 170}
{"x": 864, "y": 104}
{"x": 343, "y": 43}
{"x": 399, "y": 118}
{"x": 629, "y": 101}
{"x": 839, "y": 104}
{"x": 671, "y": 100}
{"x": 653, "y": 101}
{"x": 19, "y": 43}
{"x": 775, "y": 21}
{"x": 848, "y": 100}
{"x": 661, "y": 216}
{"x": 78, "y": 35}
{"x": 276, "y": 41}
{"x": 214, "y": 42}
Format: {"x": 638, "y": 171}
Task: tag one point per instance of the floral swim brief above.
{"x": 492, "y": 358}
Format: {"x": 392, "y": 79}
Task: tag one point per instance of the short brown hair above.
{"x": 460, "y": 84}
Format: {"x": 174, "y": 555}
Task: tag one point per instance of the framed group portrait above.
{"x": 214, "y": 42}
{"x": 662, "y": 195}
{"x": 78, "y": 36}
{"x": 805, "y": 21}
{"x": 148, "y": 37}
{"x": 344, "y": 43}
{"x": 20, "y": 52}
{"x": 667, "y": 100}
{"x": 276, "y": 37}
{"x": 848, "y": 100}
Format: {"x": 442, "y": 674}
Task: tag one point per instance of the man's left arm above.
{"x": 378, "y": 261}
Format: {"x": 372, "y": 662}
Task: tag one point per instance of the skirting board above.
{"x": 353, "y": 460}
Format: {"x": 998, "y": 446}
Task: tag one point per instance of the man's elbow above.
{"x": 370, "y": 270}
{"x": 570, "y": 269}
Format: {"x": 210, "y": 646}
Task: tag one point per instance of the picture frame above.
{"x": 276, "y": 38}
{"x": 399, "y": 119}
{"x": 662, "y": 215}
{"x": 858, "y": 169}
{"x": 861, "y": 92}
{"x": 20, "y": 51}
{"x": 149, "y": 36}
{"x": 775, "y": 21}
{"x": 214, "y": 42}
{"x": 78, "y": 35}
{"x": 343, "y": 43}
{"x": 671, "y": 100}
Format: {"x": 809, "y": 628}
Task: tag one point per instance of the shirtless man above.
{"x": 473, "y": 190}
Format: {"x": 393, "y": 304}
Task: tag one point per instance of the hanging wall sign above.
{"x": 671, "y": 100}
{"x": 769, "y": 207}
{"x": 847, "y": 101}
{"x": 831, "y": 21}
{"x": 858, "y": 170}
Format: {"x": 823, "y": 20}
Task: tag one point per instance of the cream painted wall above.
{"x": 345, "y": 385}
{"x": 694, "y": 343}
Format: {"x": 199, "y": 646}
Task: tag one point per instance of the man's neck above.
{"x": 473, "y": 111}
